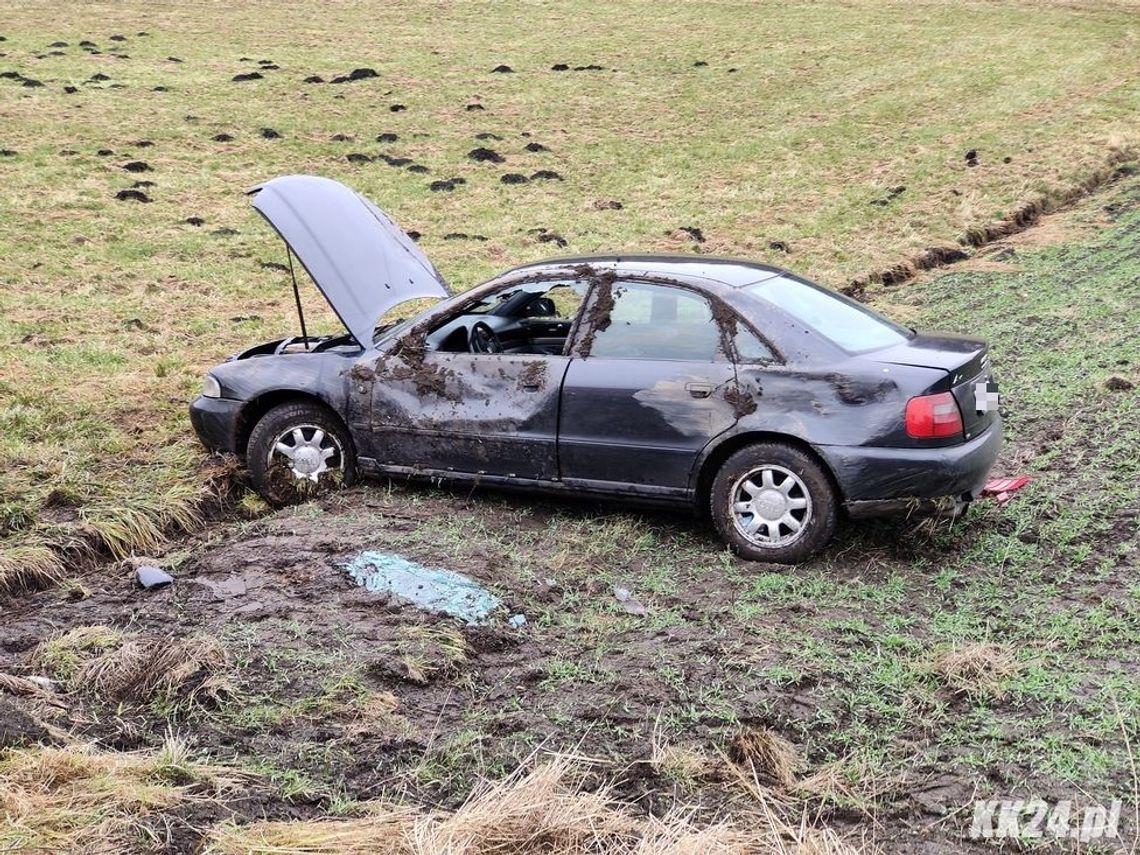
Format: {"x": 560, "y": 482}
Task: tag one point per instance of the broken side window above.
{"x": 651, "y": 321}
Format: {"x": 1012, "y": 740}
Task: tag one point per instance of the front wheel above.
{"x": 297, "y": 450}
{"x": 772, "y": 502}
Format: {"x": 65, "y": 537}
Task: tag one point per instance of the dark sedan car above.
{"x": 736, "y": 389}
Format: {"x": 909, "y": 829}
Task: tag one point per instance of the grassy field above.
{"x": 877, "y": 691}
{"x": 872, "y": 694}
{"x": 800, "y": 129}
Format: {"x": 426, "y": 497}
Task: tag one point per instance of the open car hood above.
{"x": 360, "y": 259}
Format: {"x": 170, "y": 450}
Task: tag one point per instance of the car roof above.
{"x": 733, "y": 272}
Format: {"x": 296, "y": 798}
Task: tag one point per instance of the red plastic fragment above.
{"x": 1002, "y": 489}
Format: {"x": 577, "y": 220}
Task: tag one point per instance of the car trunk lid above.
{"x": 362, "y": 262}
{"x": 966, "y": 362}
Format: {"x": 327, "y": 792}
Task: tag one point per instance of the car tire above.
{"x": 298, "y": 450}
{"x": 772, "y": 502}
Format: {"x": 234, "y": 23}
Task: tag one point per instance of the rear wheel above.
{"x": 298, "y": 450}
{"x": 772, "y": 502}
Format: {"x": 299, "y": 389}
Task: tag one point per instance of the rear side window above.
{"x": 749, "y": 348}
{"x": 851, "y": 325}
{"x": 658, "y": 322}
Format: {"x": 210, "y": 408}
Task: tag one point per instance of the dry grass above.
{"x": 83, "y": 800}
{"x": 766, "y": 756}
{"x": 976, "y": 668}
{"x": 26, "y": 567}
{"x": 63, "y": 655}
{"x": 122, "y": 667}
{"x": 539, "y": 809}
{"x": 428, "y": 651}
{"x": 377, "y": 713}
{"x": 141, "y": 670}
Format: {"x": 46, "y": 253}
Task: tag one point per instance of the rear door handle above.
{"x": 699, "y": 390}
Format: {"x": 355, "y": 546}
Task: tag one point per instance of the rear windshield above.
{"x": 852, "y": 326}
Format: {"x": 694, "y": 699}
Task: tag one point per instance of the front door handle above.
{"x": 699, "y": 390}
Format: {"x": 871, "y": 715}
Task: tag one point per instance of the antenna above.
{"x": 297, "y": 295}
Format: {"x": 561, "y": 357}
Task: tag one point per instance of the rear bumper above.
{"x": 906, "y": 478}
{"x": 216, "y": 421}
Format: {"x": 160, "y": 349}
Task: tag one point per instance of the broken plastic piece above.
{"x": 1002, "y": 489}
{"x": 517, "y": 621}
{"x": 431, "y": 589}
{"x": 151, "y": 577}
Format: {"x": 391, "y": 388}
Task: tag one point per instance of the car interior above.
{"x": 531, "y": 318}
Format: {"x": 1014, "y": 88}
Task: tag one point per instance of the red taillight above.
{"x": 932, "y": 416}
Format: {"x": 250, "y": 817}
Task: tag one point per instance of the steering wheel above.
{"x": 483, "y": 339}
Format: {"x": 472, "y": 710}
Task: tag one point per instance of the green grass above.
{"x": 111, "y": 311}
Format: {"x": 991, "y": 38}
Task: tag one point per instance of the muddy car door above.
{"x": 653, "y": 388}
{"x": 478, "y": 392}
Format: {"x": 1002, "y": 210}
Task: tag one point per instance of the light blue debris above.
{"x": 517, "y": 621}
{"x": 432, "y": 589}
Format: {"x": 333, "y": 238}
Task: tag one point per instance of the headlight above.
{"x": 211, "y": 388}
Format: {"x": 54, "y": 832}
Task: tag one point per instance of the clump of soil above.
{"x": 471, "y": 108}
{"x": 357, "y": 157}
{"x": 444, "y": 186}
{"x": 485, "y": 155}
{"x": 17, "y": 728}
{"x": 972, "y": 157}
{"x": 513, "y": 178}
{"x": 194, "y": 221}
{"x": 545, "y": 175}
{"x": 544, "y": 235}
{"x": 608, "y": 205}
{"x": 1118, "y": 384}
{"x": 340, "y": 138}
{"x": 132, "y": 196}
{"x": 222, "y": 138}
{"x": 313, "y": 78}
{"x": 487, "y": 135}
{"x": 387, "y": 138}
{"x": 533, "y": 375}
{"x": 691, "y": 231}
{"x": 742, "y": 403}
{"x": 536, "y": 147}
{"x": 397, "y": 108}
{"x": 502, "y": 69}
{"x": 560, "y": 66}
{"x": 252, "y": 75}
{"x": 270, "y": 134}
{"x": 779, "y": 246}
{"x": 598, "y": 315}
{"x": 356, "y": 74}
{"x": 419, "y": 169}
{"x": 137, "y": 166}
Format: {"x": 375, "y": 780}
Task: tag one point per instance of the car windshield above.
{"x": 402, "y": 316}
{"x": 852, "y": 326}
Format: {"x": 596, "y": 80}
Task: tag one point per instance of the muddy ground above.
{"x": 335, "y": 695}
